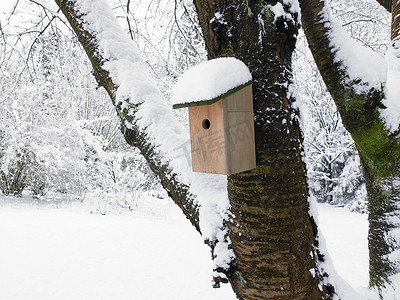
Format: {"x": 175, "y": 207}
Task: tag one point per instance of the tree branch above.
{"x": 133, "y": 133}
{"x": 317, "y": 30}
{"x": 358, "y": 101}
{"x": 356, "y": 98}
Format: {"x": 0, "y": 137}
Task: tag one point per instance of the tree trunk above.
{"x": 387, "y": 4}
{"x": 395, "y": 32}
{"x": 271, "y": 230}
{"x": 378, "y": 148}
{"x": 384, "y": 201}
{"x": 384, "y": 210}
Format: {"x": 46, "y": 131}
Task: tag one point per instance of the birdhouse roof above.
{"x": 210, "y": 82}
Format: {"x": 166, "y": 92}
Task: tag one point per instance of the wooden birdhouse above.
{"x": 221, "y": 124}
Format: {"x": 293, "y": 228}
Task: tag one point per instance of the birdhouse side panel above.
{"x": 242, "y": 100}
{"x": 208, "y": 138}
{"x": 241, "y": 150}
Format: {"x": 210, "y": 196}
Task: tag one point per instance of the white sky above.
{"x": 5, "y": 7}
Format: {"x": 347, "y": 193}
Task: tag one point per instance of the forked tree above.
{"x": 266, "y": 228}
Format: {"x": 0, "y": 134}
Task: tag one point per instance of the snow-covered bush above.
{"x": 59, "y": 133}
{"x": 14, "y": 171}
{"x": 119, "y": 178}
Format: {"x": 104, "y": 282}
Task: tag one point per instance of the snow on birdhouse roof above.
{"x": 210, "y": 81}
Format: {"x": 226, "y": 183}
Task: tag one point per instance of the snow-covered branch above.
{"x": 148, "y": 122}
{"x": 365, "y": 89}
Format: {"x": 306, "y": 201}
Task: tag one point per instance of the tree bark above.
{"x": 379, "y": 149}
{"x": 271, "y": 231}
{"x": 387, "y": 4}
{"x": 395, "y": 28}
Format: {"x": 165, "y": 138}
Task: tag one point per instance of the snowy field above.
{"x": 149, "y": 253}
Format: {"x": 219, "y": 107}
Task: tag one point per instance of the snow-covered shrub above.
{"x": 14, "y": 167}
{"x": 42, "y": 145}
{"x": 118, "y": 178}
{"x": 360, "y": 204}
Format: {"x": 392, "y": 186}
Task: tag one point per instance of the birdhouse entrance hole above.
{"x": 206, "y": 123}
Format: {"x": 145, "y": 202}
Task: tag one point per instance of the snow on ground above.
{"x": 346, "y": 234}
{"x": 71, "y": 254}
{"x": 149, "y": 253}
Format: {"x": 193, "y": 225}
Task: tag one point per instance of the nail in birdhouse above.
{"x": 218, "y": 94}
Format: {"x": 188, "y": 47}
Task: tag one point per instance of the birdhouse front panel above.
{"x": 208, "y": 138}
{"x": 222, "y": 135}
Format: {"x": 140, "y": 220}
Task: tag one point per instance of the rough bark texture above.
{"x": 395, "y": 32}
{"x": 387, "y": 4}
{"x": 271, "y": 230}
{"x": 383, "y": 199}
{"x": 134, "y": 137}
{"x": 379, "y": 149}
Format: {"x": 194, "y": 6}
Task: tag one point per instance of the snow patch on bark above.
{"x": 292, "y": 7}
{"x": 391, "y": 114}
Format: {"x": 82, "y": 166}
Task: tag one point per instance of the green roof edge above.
{"x": 211, "y": 101}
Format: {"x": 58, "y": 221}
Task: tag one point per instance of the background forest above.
{"x": 59, "y": 134}
{"x": 61, "y": 141}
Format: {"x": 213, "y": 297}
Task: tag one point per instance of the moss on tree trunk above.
{"x": 378, "y": 148}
